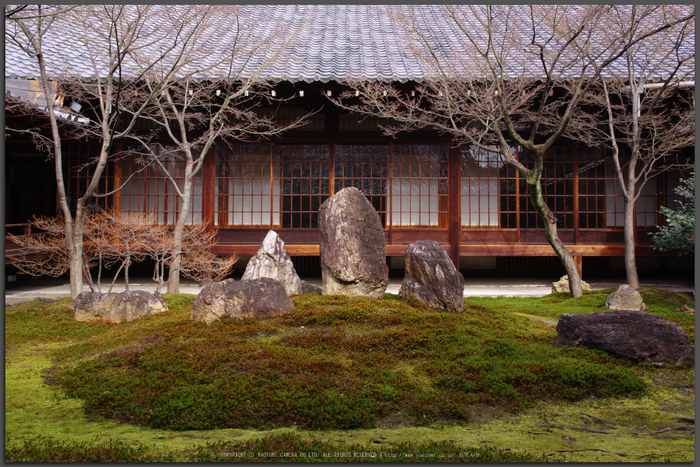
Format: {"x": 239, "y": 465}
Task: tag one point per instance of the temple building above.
{"x": 422, "y": 185}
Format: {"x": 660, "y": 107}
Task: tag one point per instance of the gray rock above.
{"x": 272, "y": 260}
{"x": 562, "y": 285}
{"x": 310, "y": 288}
{"x": 352, "y": 246}
{"x": 257, "y": 298}
{"x": 626, "y": 298}
{"x": 686, "y": 309}
{"x": 117, "y": 307}
{"x": 631, "y": 334}
{"x": 432, "y": 278}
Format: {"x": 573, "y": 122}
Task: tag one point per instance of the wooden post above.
{"x": 117, "y": 183}
{"x": 576, "y": 201}
{"x": 455, "y": 218}
{"x": 208, "y": 180}
{"x": 579, "y": 265}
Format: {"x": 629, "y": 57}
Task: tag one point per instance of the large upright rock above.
{"x": 352, "y": 245}
{"x": 625, "y": 298}
{"x": 432, "y": 278}
{"x": 258, "y": 298}
{"x": 272, "y": 260}
{"x": 638, "y": 336}
{"x": 117, "y": 307}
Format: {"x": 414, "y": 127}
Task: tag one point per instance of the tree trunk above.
{"x": 630, "y": 254}
{"x": 174, "y": 270}
{"x": 76, "y": 253}
{"x": 550, "y": 229}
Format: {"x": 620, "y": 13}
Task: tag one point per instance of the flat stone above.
{"x": 117, "y": 307}
{"x": 272, "y": 260}
{"x": 432, "y": 278}
{"x": 686, "y": 309}
{"x": 310, "y": 288}
{"x": 352, "y": 246}
{"x": 229, "y": 299}
{"x": 631, "y": 334}
{"x": 625, "y": 298}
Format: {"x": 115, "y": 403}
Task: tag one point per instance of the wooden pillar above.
{"x": 117, "y": 184}
{"x": 455, "y": 214}
{"x": 579, "y": 265}
{"x": 576, "y": 199}
{"x": 208, "y": 180}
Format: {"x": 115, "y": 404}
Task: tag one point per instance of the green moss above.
{"x": 377, "y": 374}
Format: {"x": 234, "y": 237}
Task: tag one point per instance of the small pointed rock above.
{"x": 272, "y": 260}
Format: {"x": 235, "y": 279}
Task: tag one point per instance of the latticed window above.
{"x": 557, "y": 183}
{"x": 247, "y": 187}
{"x": 82, "y": 167}
{"x": 601, "y": 203}
{"x": 419, "y": 186}
{"x": 365, "y": 167}
{"x": 151, "y": 190}
{"x": 592, "y": 187}
{"x": 487, "y": 189}
{"x": 305, "y": 182}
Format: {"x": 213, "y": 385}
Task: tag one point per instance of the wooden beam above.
{"x": 464, "y": 250}
{"x": 539, "y": 250}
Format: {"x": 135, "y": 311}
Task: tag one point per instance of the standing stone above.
{"x": 562, "y": 285}
{"x": 257, "y": 298}
{"x": 635, "y": 335}
{"x": 117, "y": 307}
{"x": 432, "y": 278}
{"x": 626, "y": 298}
{"x": 352, "y": 246}
{"x": 272, "y": 260}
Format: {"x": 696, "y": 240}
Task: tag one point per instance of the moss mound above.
{"x": 333, "y": 363}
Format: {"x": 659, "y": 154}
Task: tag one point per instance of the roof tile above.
{"x": 335, "y": 42}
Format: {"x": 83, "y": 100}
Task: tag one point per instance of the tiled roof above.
{"x": 334, "y": 43}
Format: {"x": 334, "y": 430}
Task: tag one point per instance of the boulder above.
{"x": 352, "y": 246}
{"x": 626, "y": 298}
{"x": 272, "y": 260}
{"x": 257, "y": 298}
{"x": 562, "y": 285}
{"x": 631, "y": 334}
{"x": 117, "y": 307}
{"x": 310, "y": 288}
{"x": 432, "y": 278}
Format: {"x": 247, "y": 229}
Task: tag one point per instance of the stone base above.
{"x": 116, "y": 307}
{"x": 631, "y": 334}
{"x": 258, "y": 298}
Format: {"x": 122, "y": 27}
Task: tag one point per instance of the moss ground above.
{"x": 43, "y": 345}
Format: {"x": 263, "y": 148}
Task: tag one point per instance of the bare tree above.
{"x": 213, "y": 101}
{"x": 514, "y": 75}
{"x": 646, "y": 113}
{"x": 198, "y": 261}
{"x": 46, "y": 253}
{"x": 104, "y": 35}
{"x": 119, "y": 238}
